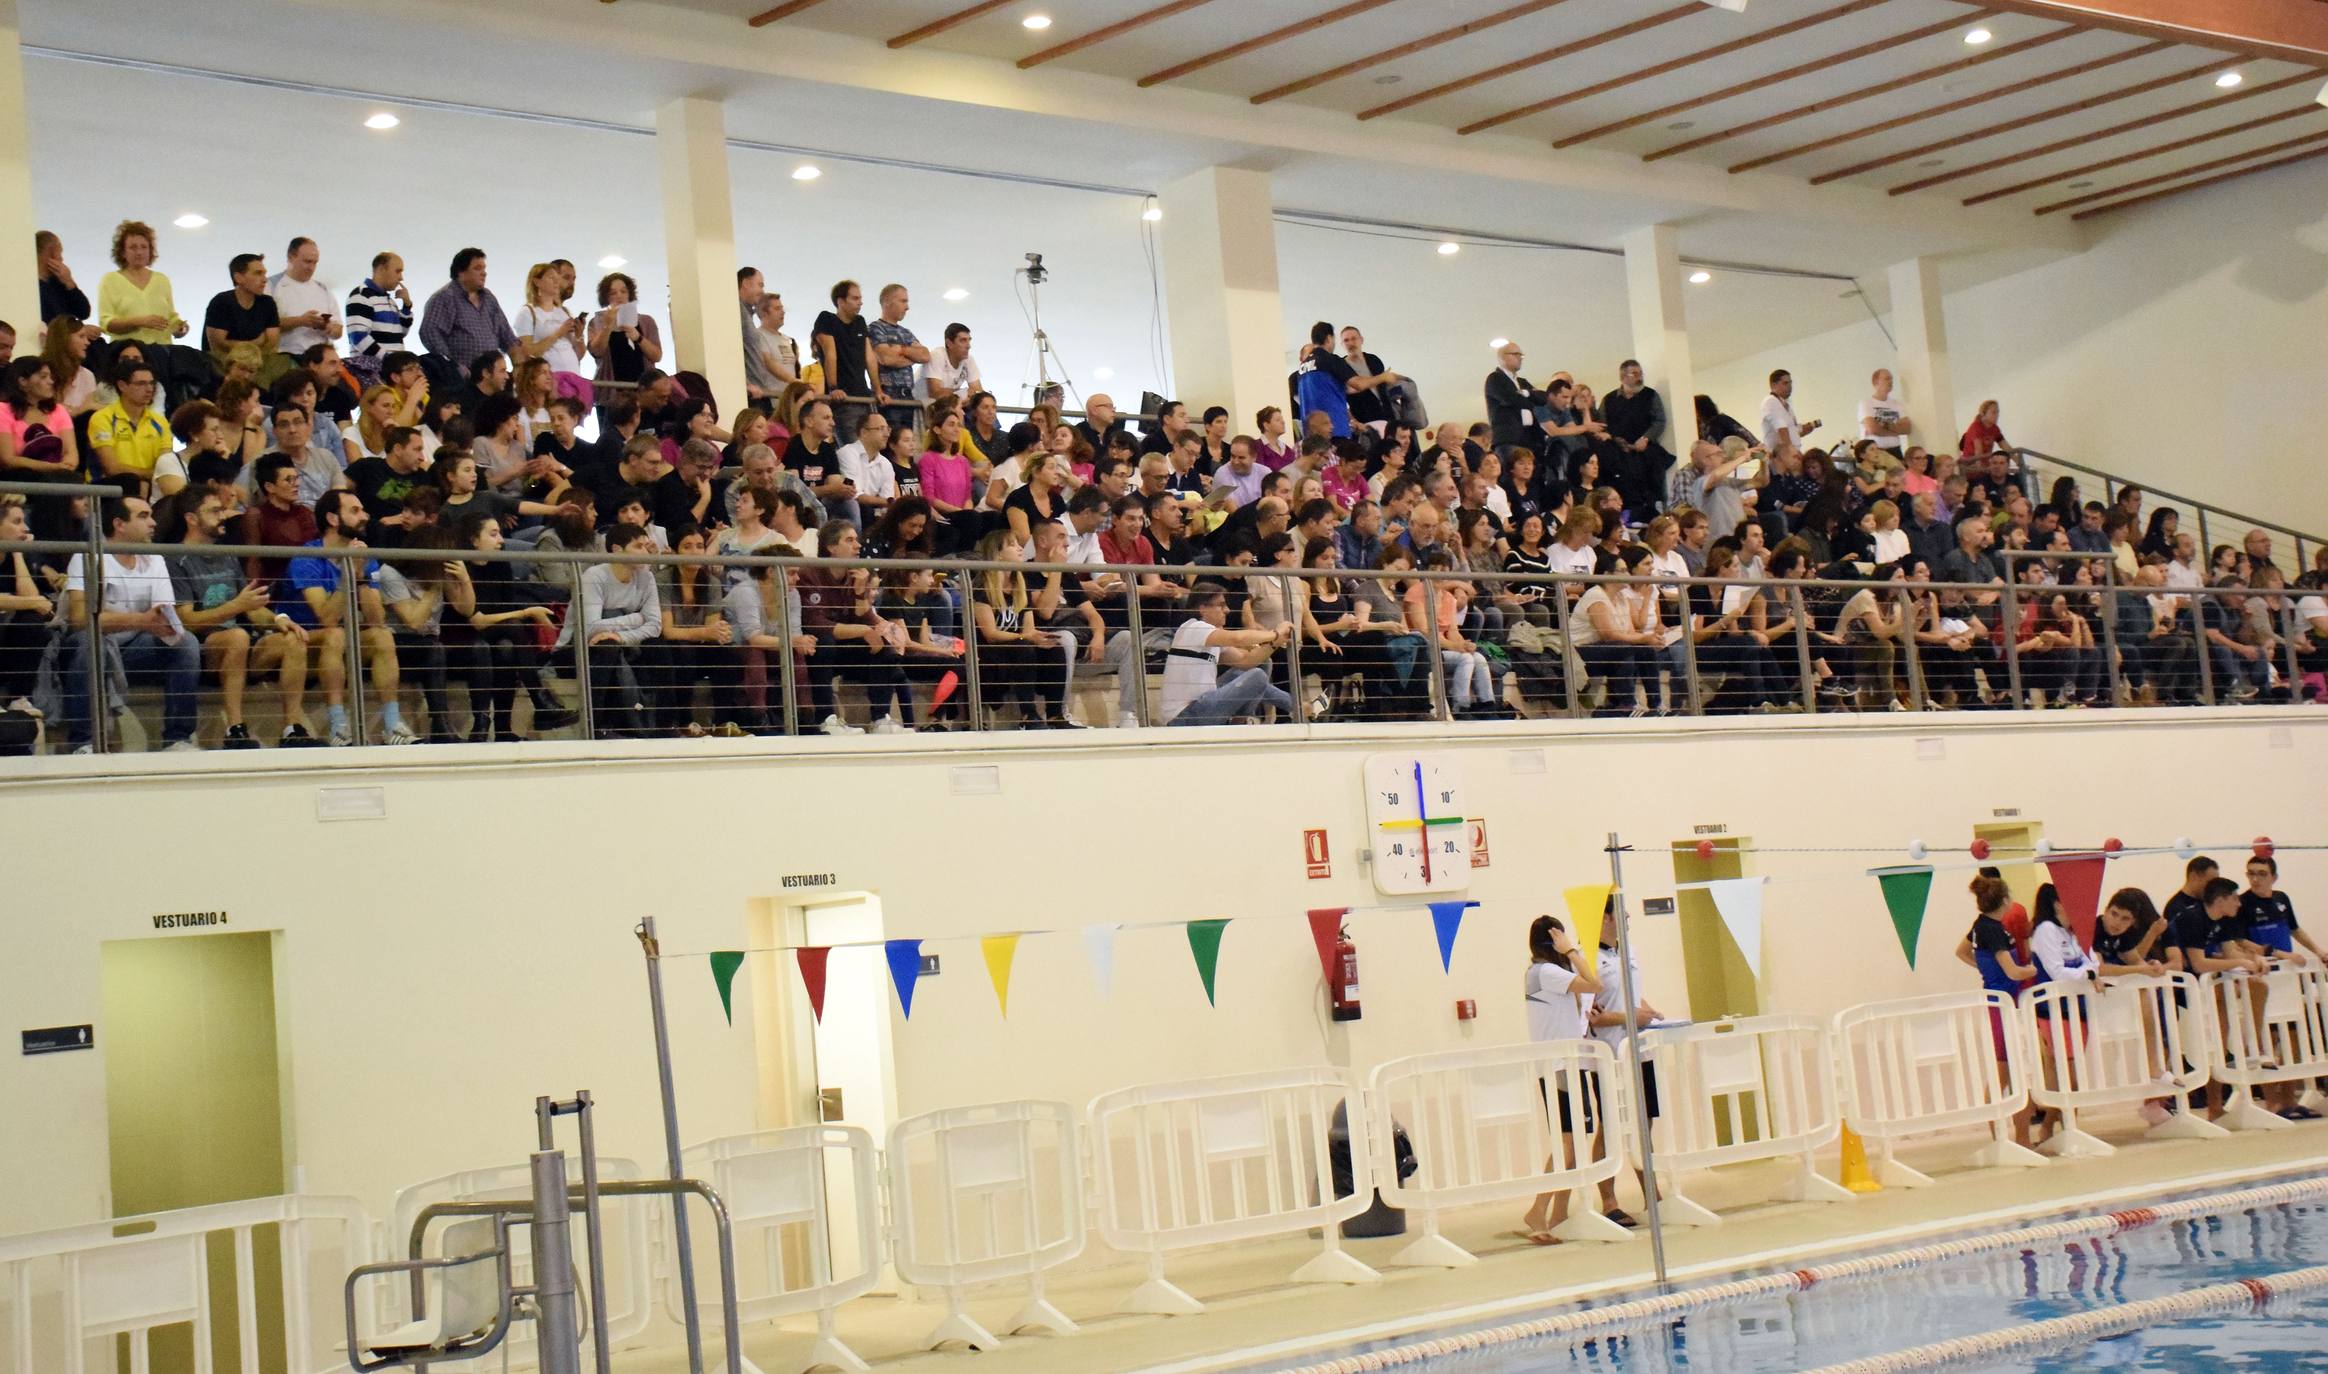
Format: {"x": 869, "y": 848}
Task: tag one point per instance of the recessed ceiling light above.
{"x": 1102, "y": 373}
{"x": 1932, "y": 162}
{"x": 382, "y": 120}
{"x": 1037, "y": 22}
{"x": 1976, "y": 37}
{"x": 1448, "y": 250}
{"x": 190, "y": 220}
{"x": 1391, "y": 80}
{"x": 957, "y": 294}
{"x": 1153, "y": 213}
{"x": 2229, "y": 79}
{"x": 2079, "y": 185}
{"x": 1499, "y": 344}
{"x": 612, "y": 261}
{"x": 1680, "y": 124}
{"x": 1700, "y": 277}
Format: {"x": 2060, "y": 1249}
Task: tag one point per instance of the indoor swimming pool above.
{"x": 1922, "y": 1301}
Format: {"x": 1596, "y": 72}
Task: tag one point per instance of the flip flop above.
{"x": 1620, "y": 1216}
{"x": 2299, "y": 1113}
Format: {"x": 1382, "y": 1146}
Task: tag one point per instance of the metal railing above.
{"x": 1519, "y": 625}
{"x": 2209, "y": 521}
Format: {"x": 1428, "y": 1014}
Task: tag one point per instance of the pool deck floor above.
{"x": 1254, "y": 1315}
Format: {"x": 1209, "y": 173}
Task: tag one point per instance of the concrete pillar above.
{"x": 1653, "y": 286}
{"x": 1220, "y": 286}
{"x": 19, "y": 269}
{"x": 1925, "y": 391}
{"x": 699, "y": 234}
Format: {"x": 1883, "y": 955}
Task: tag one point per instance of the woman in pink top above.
{"x": 1919, "y": 478}
{"x": 945, "y": 480}
{"x": 36, "y": 442}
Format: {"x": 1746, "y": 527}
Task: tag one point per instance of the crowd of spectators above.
{"x": 300, "y": 415}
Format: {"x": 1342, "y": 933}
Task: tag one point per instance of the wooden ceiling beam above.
{"x": 2078, "y": 140}
{"x": 784, "y": 11}
{"x": 2018, "y": 122}
{"x": 2284, "y": 30}
{"x": 2072, "y": 173}
{"x": 2204, "y": 181}
{"x": 1968, "y": 102}
{"x": 1552, "y": 54}
{"x": 944, "y": 22}
{"x": 1255, "y": 44}
{"x": 1850, "y": 97}
{"x": 1406, "y": 49}
{"x": 1822, "y": 64}
{"x": 1106, "y": 32}
{"x": 2179, "y": 173}
{"x": 1792, "y": 26}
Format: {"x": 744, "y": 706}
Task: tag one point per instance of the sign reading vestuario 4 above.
{"x": 189, "y": 920}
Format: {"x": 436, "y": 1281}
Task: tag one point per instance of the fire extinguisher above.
{"x": 1342, "y": 985}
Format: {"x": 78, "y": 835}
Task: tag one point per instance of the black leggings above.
{"x": 22, "y": 639}
{"x": 876, "y": 671}
{"x": 420, "y": 660}
{"x": 492, "y": 665}
{"x": 1019, "y": 669}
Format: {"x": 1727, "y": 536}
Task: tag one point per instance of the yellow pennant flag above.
{"x": 1586, "y": 906}
{"x": 999, "y": 951}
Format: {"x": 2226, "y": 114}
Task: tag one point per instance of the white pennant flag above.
{"x": 1739, "y": 900}
{"x": 1099, "y": 948}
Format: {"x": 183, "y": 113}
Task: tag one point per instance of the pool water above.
{"x": 1854, "y": 1318}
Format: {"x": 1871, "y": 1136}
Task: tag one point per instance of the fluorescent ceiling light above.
{"x": 1037, "y": 22}
{"x": 382, "y": 120}
{"x": 957, "y": 294}
{"x": 1700, "y": 277}
{"x": 1978, "y": 36}
{"x": 807, "y": 171}
{"x": 2229, "y": 79}
{"x": 612, "y": 261}
{"x": 1450, "y": 249}
{"x": 190, "y": 220}
{"x": 1499, "y": 344}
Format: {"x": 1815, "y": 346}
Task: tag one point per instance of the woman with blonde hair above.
{"x": 1017, "y": 654}
{"x": 375, "y": 415}
{"x": 133, "y": 300}
{"x": 556, "y": 334}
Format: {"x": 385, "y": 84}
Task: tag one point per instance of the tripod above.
{"x": 1044, "y": 389}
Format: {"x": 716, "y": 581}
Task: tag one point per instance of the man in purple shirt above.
{"x": 463, "y": 321}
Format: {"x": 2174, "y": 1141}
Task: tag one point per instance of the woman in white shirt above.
{"x": 1608, "y": 630}
{"x": 542, "y": 317}
{"x": 1557, "y": 993}
{"x": 1891, "y": 542}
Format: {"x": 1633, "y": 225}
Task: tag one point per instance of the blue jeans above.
{"x": 179, "y": 666}
{"x": 1238, "y": 694}
{"x": 2231, "y": 669}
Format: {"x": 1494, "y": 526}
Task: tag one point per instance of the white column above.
{"x": 1653, "y": 286}
{"x": 19, "y": 269}
{"x": 1925, "y": 390}
{"x": 699, "y": 234}
{"x": 1220, "y": 287}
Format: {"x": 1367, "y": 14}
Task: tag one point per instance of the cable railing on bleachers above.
{"x": 2212, "y": 523}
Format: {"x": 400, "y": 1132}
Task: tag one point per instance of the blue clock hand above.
{"x": 1423, "y": 814}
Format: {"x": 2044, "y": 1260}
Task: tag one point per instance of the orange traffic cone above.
{"x": 1856, "y": 1175}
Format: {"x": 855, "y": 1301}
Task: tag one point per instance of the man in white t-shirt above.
{"x": 139, "y": 619}
{"x": 865, "y": 462}
{"x": 1778, "y": 415}
{"x": 309, "y": 310}
{"x": 1194, "y": 691}
{"x": 953, "y": 372}
{"x": 1880, "y": 417}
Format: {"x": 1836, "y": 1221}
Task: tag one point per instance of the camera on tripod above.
{"x": 1037, "y": 274}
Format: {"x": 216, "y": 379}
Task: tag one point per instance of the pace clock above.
{"x": 1420, "y": 834}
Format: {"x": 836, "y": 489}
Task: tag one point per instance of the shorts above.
{"x": 1590, "y": 1094}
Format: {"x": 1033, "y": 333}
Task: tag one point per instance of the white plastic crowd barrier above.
{"x": 1485, "y": 1126}
{"x": 2117, "y": 1042}
{"x": 629, "y": 1228}
{"x": 2274, "y": 1031}
{"x": 62, "y": 1290}
{"x": 1926, "y": 1064}
{"x": 1733, "y": 1091}
{"x": 779, "y": 1187}
{"x": 979, "y": 1194}
{"x": 1224, "y": 1159}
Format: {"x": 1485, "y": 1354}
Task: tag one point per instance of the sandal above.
{"x": 1620, "y": 1216}
{"x": 2299, "y": 1113}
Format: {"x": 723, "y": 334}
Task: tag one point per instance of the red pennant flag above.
{"x": 2077, "y": 879}
{"x": 811, "y": 959}
{"x": 1326, "y": 929}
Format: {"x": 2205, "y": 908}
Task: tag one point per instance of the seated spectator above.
{"x": 1060, "y": 605}
{"x": 1617, "y": 645}
{"x": 621, "y": 611}
{"x": 837, "y": 608}
{"x": 330, "y": 611}
{"x": 815, "y": 459}
{"x": 499, "y": 649}
{"x": 318, "y": 469}
{"x": 1470, "y": 683}
{"x": 245, "y": 314}
{"x": 1015, "y": 654}
{"x": 1194, "y": 691}
{"x": 420, "y": 597}
{"x": 686, "y": 653}
{"x": 25, "y": 610}
{"x": 1868, "y": 629}
{"x": 138, "y": 620}
{"x": 1726, "y": 644}
{"x": 383, "y": 484}
{"x": 764, "y": 608}
{"x": 130, "y": 436}
{"x": 276, "y": 517}
{"x": 864, "y": 463}
{"x": 535, "y": 386}
{"x": 931, "y": 652}
{"x": 37, "y": 441}
{"x": 1947, "y": 647}
{"x": 2242, "y": 668}
{"x": 691, "y": 493}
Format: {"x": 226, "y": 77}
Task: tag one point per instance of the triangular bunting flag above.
{"x": 812, "y": 960}
{"x": 724, "y": 963}
{"x": 1099, "y": 949}
{"x": 1204, "y": 941}
{"x": 999, "y": 951}
{"x": 1325, "y": 923}
{"x": 904, "y": 968}
{"x": 1739, "y": 900}
{"x": 1446, "y": 919}
{"x": 1905, "y": 891}
{"x": 2077, "y": 880}
{"x": 1587, "y": 906}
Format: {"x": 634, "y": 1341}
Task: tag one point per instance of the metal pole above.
{"x": 2206, "y": 656}
{"x": 653, "y": 950}
{"x": 1689, "y": 658}
{"x": 970, "y": 657}
{"x": 1136, "y": 662}
{"x": 2110, "y": 627}
{"x": 93, "y": 600}
{"x": 602, "y": 1356}
{"x": 2013, "y": 638}
{"x": 352, "y": 631}
{"x": 1570, "y": 662}
{"x": 1802, "y": 639}
{"x": 578, "y": 618}
{"x": 1919, "y": 693}
{"x": 553, "y": 1267}
{"x": 787, "y": 676}
{"x": 2206, "y": 549}
{"x": 1438, "y": 665}
{"x": 1291, "y": 585}
{"x": 2291, "y": 634}
{"x": 1626, "y": 990}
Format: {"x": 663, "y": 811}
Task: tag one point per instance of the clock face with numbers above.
{"x": 1419, "y": 831}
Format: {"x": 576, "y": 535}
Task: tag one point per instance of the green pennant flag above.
{"x": 1204, "y": 941}
{"x": 724, "y": 963}
{"x": 1905, "y": 891}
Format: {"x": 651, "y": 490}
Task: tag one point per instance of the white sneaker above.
{"x": 1318, "y": 706}
{"x": 1127, "y": 721}
{"x": 402, "y": 734}
{"x": 341, "y": 735}
{"x": 85, "y": 749}
{"x": 834, "y": 725}
{"x": 888, "y": 725}
{"x": 184, "y": 746}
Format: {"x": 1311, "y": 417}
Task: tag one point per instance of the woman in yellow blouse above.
{"x": 133, "y": 301}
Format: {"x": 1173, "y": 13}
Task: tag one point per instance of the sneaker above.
{"x": 23, "y": 706}
{"x": 887, "y": 725}
{"x": 1125, "y": 720}
{"x": 834, "y": 725}
{"x": 239, "y": 737}
{"x": 341, "y": 735}
{"x": 1319, "y": 706}
{"x": 402, "y": 734}
{"x": 295, "y": 736}
{"x": 2245, "y": 691}
{"x": 183, "y": 746}
{"x": 84, "y": 749}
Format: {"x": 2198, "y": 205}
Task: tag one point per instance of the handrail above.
{"x": 2112, "y": 481}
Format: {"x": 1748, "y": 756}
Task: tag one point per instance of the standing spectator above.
{"x": 1515, "y": 410}
{"x": 954, "y": 373}
{"x": 843, "y": 341}
{"x": 771, "y": 358}
{"x": 324, "y": 604}
{"x": 1880, "y": 417}
{"x": 133, "y": 300}
{"x": 751, "y": 288}
{"x": 623, "y": 339}
{"x": 1634, "y": 415}
{"x": 1370, "y": 402}
{"x": 1323, "y": 383}
{"x": 379, "y": 315}
{"x": 1778, "y": 417}
{"x": 308, "y": 310}
{"x": 245, "y": 314}
{"x": 59, "y": 293}
{"x": 463, "y": 322}
{"x": 543, "y": 326}
{"x": 139, "y": 620}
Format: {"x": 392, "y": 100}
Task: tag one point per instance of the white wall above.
{"x": 2184, "y": 348}
{"x": 442, "y": 966}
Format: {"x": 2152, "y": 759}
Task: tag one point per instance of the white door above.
{"x": 854, "y": 1066}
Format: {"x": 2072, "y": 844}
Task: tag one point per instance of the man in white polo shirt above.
{"x": 1778, "y": 417}
{"x": 138, "y": 616}
{"x": 1881, "y": 419}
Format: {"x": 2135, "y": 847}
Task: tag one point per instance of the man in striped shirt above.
{"x": 379, "y": 315}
